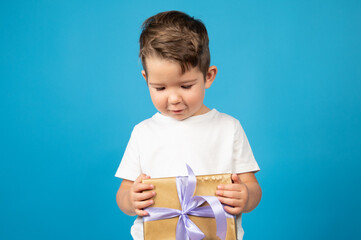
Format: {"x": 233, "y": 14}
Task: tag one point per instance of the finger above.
{"x": 235, "y": 178}
{"x": 141, "y": 213}
{"x": 143, "y": 204}
{"x": 231, "y": 201}
{"x": 229, "y": 194}
{"x": 143, "y": 196}
{"x": 141, "y": 177}
{"x": 139, "y": 187}
{"x": 232, "y": 187}
{"x": 233, "y": 210}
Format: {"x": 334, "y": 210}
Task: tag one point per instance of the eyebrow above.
{"x": 189, "y": 81}
{"x": 182, "y": 82}
{"x": 155, "y": 84}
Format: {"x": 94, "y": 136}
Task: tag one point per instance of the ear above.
{"x": 210, "y": 76}
{"x": 144, "y": 76}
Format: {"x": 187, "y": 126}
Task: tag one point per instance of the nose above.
{"x": 174, "y": 98}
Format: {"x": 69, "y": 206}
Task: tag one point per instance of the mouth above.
{"x": 176, "y": 111}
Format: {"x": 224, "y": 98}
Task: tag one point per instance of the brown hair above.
{"x": 175, "y": 36}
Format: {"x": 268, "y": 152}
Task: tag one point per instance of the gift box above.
{"x": 186, "y": 208}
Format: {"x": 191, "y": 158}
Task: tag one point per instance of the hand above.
{"x": 235, "y": 196}
{"x": 139, "y": 199}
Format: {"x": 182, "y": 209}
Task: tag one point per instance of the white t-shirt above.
{"x": 211, "y": 143}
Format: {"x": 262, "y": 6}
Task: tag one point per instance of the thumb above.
{"x": 141, "y": 177}
{"x": 236, "y": 179}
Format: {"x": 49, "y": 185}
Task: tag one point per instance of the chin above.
{"x": 179, "y": 117}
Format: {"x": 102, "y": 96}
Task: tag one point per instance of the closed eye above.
{"x": 187, "y": 86}
{"x": 160, "y": 88}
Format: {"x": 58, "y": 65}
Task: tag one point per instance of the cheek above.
{"x": 157, "y": 99}
{"x": 196, "y": 97}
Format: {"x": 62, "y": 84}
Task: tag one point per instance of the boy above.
{"x": 175, "y": 56}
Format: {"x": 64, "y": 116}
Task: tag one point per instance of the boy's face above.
{"x": 175, "y": 94}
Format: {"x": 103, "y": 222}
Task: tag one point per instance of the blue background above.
{"x": 71, "y": 91}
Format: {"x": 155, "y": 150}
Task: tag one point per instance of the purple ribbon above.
{"x": 186, "y": 229}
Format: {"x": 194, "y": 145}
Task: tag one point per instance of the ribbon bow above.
{"x": 186, "y": 229}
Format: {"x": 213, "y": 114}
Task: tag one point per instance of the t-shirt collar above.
{"x": 161, "y": 117}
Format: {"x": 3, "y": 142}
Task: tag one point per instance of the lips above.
{"x": 176, "y": 111}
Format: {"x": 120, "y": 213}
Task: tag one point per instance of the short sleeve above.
{"x": 129, "y": 167}
{"x": 243, "y": 158}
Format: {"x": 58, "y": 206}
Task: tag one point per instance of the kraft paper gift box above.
{"x": 167, "y": 197}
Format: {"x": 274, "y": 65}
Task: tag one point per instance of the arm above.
{"x": 242, "y": 196}
{"x": 130, "y": 196}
